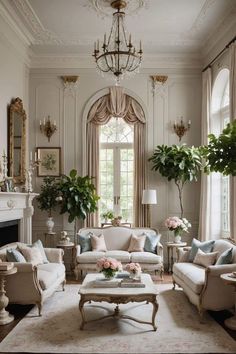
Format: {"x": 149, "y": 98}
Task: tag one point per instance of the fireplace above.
{"x": 9, "y": 232}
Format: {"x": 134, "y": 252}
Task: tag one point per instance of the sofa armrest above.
{"x": 24, "y": 267}
{"x": 160, "y": 249}
{"x": 217, "y": 270}
{"x": 183, "y": 254}
{"x": 54, "y": 255}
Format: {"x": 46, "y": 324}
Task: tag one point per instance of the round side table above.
{"x": 5, "y": 317}
{"x": 170, "y": 253}
{"x": 70, "y": 246}
{"x": 230, "y": 280}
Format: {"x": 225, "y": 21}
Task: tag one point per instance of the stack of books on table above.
{"x": 104, "y": 283}
{"x": 131, "y": 283}
{"x": 4, "y": 266}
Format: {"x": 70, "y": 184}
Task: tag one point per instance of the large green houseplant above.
{"x": 220, "y": 153}
{"x": 179, "y": 163}
{"x": 79, "y": 196}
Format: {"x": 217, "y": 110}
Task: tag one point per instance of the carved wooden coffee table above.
{"x": 118, "y": 296}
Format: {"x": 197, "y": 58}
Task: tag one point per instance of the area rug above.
{"x": 57, "y": 331}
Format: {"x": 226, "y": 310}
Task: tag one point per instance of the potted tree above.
{"x": 178, "y": 163}
{"x": 79, "y": 197}
{"x": 47, "y": 199}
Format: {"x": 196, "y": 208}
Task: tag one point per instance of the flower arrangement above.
{"x": 173, "y": 223}
{"x": 134, "y": 269}
{"x": 109, "y": 267}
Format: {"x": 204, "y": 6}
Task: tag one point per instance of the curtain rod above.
{"x": 219, "y": 54}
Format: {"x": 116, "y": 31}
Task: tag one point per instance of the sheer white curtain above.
{"x": 232, "y": 103}
{"x": 205, "y": 216}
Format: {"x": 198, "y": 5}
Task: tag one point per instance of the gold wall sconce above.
{"x": 180, "y": 128}
{"x": 47, "y": 127}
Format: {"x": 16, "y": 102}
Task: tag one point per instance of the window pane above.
{"x": 106, "y": 180}
{"x": 116, "y": 130}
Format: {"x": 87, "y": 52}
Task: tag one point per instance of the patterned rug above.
{"x": 57, "y": 331}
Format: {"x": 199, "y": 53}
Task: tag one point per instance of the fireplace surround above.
{"x": 18, "y": 206}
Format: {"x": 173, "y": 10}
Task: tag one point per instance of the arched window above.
{"x": 219, "y": 120}
{"x": 117, "y": 168}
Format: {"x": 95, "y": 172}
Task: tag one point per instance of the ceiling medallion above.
{"x": 103, "y": 7}
{"x": 117, "y": 55}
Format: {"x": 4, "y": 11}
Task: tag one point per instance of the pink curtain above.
{"x": 118, "y": 104}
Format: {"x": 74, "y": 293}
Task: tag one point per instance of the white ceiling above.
{"x": 63, "y": 27}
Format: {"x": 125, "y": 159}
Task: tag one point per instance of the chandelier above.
{"x": 117, "y": 55}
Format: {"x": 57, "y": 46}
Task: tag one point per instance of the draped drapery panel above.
{"x": 118, "y": 104}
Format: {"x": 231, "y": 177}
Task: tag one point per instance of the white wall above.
{"x": 14, "y": 75}
{"x": 180, "y": 96}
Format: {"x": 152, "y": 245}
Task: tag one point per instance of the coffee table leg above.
{"x": 154, "y": 312}
{"x": 81, "y": 308}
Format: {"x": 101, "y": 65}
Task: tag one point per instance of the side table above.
{"x": 5, "y": 317}
{"x": 229, "y": 280}
{"x": 170, "y": 253}
{"x": 70, "y": 246}
{"x": 49, "y": 236}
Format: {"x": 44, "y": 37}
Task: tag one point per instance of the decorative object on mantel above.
{"x": 180, "y": 128}
{"x": 30, "y": 171}
{"x": 118, "y": 55}
{"x": 48, "y": 199}
{"x": 149, "y": 197}
{"x": 181, "y": 164}
{"x": 50, "y": 161}
{"x": 174, "y": 223}
{"x": 4, "y": 163}
{"x": 47, "y": 127}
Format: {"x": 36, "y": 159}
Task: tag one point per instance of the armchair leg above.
{"x": 39, "y": 305}
{"x": 63, "y": 285}
{"x": 174, "y": 284}
{"x": 201, "y": 312}
{"x": 162, "y": 273}
{"x": 76, "y": 271}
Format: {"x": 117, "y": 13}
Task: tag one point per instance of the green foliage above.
{"x": 47, "y": 199}
{"x": 220, "y": 153}
{"x": 79, "y": 196}
{"x": 108, "y": 215}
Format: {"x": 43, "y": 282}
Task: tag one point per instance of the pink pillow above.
{"x": 137, "y": 243}
{"x": 32, "y": 254}
{"x": 98, "y": 243}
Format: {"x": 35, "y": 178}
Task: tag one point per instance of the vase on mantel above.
{"x": 177, "y": 236}
{"x": 50, "y": 224}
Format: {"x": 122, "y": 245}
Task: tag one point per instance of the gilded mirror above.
{"x": 17, "y": 141}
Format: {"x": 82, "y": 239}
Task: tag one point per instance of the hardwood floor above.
{"x": 19, "y": 311}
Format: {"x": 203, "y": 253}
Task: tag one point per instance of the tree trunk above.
{"x": 180, "y": 190}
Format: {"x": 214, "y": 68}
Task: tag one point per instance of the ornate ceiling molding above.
{"x": 103, "y": 7}
{"x": 201, "y": 18}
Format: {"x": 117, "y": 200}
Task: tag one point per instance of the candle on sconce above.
{"x": 44, "y": 121}
{"x": 40, "y": 122}
{"x": 54, "y": 122}
{"x": 31, "y": 155}
{"x": 189, "y": 122}
{"x": 35, "y": 156}
{"x": 4, "y": 153}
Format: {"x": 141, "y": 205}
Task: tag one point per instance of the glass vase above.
{"x": 177, "y": 235}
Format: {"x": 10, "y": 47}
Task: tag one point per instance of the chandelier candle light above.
{"x": 180, "y": 129}
{"x": 47, "y": 127}
{"x": 118, "y": 54}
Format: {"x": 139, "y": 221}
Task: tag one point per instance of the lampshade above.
{"x": 149, "y": 196}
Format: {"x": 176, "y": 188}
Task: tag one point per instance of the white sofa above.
{"x": 203, "y": 286}
{"x": 117, "y": 241}
{"x": 33, "y": 284}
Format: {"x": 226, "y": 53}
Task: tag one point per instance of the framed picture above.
{"x": 50, "y": 161}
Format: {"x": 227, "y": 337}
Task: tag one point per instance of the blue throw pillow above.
{"x": 39, "y": 245}
{"x": 151, "y": 242}
{"x": 226, "y": 257}
{"x": 85, "y": 243}
{"x": 203, "y": 246}
{"x": 14, "y": 255}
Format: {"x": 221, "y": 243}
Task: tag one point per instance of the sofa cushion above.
{"x": 31, "y": 254}
{"x": 137, "y": 243}
{"x": 121, "y": 256}
{"x": 151, "y": 242}
{"x": 90, "y": 257}
{"x": 191, "y": 274}
{"x": 145, "y": 257}
{"x": 205, "y": 259}
{"x": 46, "y": 279}
{"x": 203, "y": 246}
{"x": 57, "y": 268}
{"x": 85, "y": 242}
{"x": 226, "y": 257}
{"x": 98, "y": 243}
{"x": 38, "y": 244}
{"x": 14, "y": 255}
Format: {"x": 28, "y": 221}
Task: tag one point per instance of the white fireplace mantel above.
{"x": 18, "y": 206}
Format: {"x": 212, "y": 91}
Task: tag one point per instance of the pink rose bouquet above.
{"x": 173, "y": 223}
{"x": 108, "y": 266}
{"x": 133, "y": 268}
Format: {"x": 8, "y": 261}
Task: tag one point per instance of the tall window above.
{"x": 220, "y": 118}
{"x": 117, "y": 168}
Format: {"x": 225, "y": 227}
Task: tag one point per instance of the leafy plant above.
{"x": 47, "y": 199}
{"x": 108, "y": 215}
{"x": 179, "y": 163}
{"x": 79, "y": 196}
{"x": 220, "y": 153}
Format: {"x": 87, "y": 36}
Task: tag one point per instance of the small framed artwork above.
{"x": 49, "y": 161}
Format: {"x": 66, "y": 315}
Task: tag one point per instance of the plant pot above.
{"x": 50, "y": 224}
{"x": 177, "y": 237}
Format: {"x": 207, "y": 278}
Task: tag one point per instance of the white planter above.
{"x": 177, "y": 239}
{"x": 50, "y": 224}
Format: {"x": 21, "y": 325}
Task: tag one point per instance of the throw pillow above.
{"x": 226, "y": 257}
{"x": 14, "y": 255}
{"x": 205, "y": 259}
{"x": 38, "y": 244}
{"x": 98, "y": 243}
{"x": 203, "y": 246}
{"x": 151, "y": 242}
{"x": 85, "y": 242}
{"x": 137, "y": 243}
{"x": 32, "y": 254}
